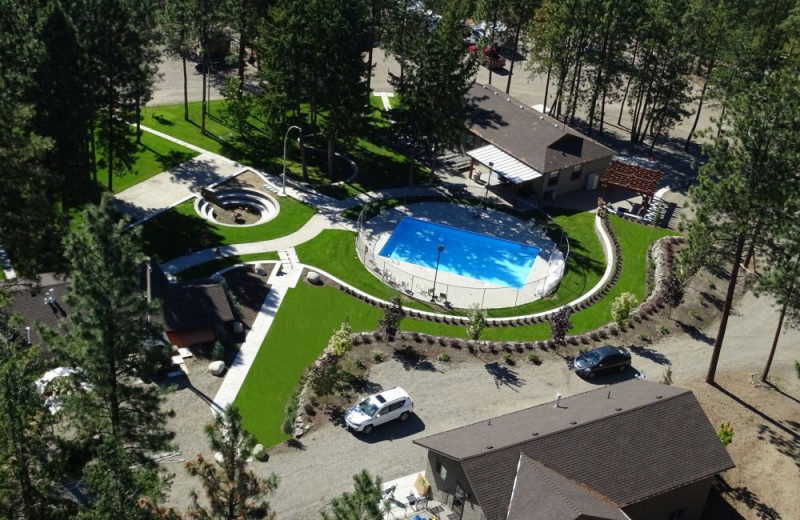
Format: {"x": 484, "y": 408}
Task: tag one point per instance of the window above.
{"x": 395, "y": 406}
{"x": 553, "y": 179}
{"x": 576, "y": 172}
{"x": 441, "y": 470}
{"x": 680, "y": 514}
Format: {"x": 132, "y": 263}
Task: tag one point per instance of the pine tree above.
{"x": 109, "y": 336}
{"x": 122, "y": 489}
{"x": 364, "y": 503}
{"x": 234, "y": 492}
{"x": 26, "y": 436}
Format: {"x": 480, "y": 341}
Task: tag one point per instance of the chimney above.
{"x": 558, "y": 401}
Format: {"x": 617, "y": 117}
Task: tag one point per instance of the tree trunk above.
{"x": 516, "y": 46}
{"x": 110, "y": 150}
{"x": 546, "y": 89}
{"x": 138, "y": 112}
{"x": 93, "y": 151}
{"x": 602, "y": 113}
{"x": 697, "y": 116}
{"x": 185, "y": 90}
{"x": 765, "y": 373}
{"x": 726, "y": 310}
{"x": 203, "y": 97}
{"x": 302, "y": 146}
{"x": 627, "y": 84}
{"x": 241, "y": 62}
{"x": 332, "y": 156}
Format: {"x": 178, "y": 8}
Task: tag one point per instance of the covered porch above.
{"x": 410, "y": 497}
{"x": 504, "y": 169}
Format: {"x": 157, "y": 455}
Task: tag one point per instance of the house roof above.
{"x": 627, "y": 442}
{"x": 504, "y": 164}
{"x": 34, "y": 304}
{"x": 539, "y": 141}
{"x": 194, "y": 305}
{"x": 542, "y": 494}
{"x": 631, "y": 176}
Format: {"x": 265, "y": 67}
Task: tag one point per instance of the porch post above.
{"x": 471, "y": 166}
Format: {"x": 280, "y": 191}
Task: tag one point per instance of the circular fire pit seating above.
{"x": 255, "y": 201}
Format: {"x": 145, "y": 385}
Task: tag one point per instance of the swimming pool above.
{"x": 481, "y": 257}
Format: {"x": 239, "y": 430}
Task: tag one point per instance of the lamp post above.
{"x": 486, "y": 193}
{"x": 439, "y": 250}
{"x": 285, "y": 138}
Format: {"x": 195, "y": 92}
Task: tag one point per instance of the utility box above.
{"x": 592, "y": 181}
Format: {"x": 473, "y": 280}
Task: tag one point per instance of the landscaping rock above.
{"x": 260, "y": 453}
{"x": 238, "y": 328}
{"x": 313, "y": 278}
{"x": 259, "y": 269}
{"x": 298, "y": 432}
{"x": 216, "y": 368}
{"x": 219, "y": 458}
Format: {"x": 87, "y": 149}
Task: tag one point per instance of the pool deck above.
{"x": 459, "y": 291}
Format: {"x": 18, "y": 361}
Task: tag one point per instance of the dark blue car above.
{"x": 601, "y": 360}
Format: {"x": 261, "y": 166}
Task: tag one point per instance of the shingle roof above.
{"x": 194, "y": 305}
{"x": 542, "y": 494}
{"x": 632, "y": 177}
{"x": 537, "y": 140}
{"x": 628, "y": 442}
{"x": 28, "y": 301}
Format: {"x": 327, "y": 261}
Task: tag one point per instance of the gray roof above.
{"x": 541, "y": 142}
{"x": 628, "y": 442}
{"x": 542, "y": 494}
{"x": 28, "y": 300}
{"x": 193, "y": 305}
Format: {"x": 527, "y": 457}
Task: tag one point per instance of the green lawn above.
{"x": 176, "y": 231}
{"x": 302, "y": 328}
{"x": 153, "y": 156}
{"x": 207, "y": 269}
{"x": 334, "y": 251}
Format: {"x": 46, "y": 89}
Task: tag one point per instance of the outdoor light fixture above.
{"x": 28, "y": 334}
{"x": 489, "y": 181}
{"x": 439, "y": 250}
{"x": 285, "y": 137}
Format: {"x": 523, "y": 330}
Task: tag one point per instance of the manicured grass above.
{"x": 153, "y": 156}
{"x": 207, "y": 269}
{"x": 334, "y": 251}
{"x": 301, "y": 330}
{"x": 180, "y": 229}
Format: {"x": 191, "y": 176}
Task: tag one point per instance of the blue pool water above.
{"x": 481, "y": 257}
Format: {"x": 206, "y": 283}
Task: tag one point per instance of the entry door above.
{"x": 458, "y": 501}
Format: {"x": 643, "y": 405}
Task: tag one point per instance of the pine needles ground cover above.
{"x": 302, "y": 327}
{"x": 180, "y": 230}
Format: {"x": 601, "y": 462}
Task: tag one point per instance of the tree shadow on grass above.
{"x": 174, "y": 158}
{"x": 172, "y": 234}
{"x": 504, "y": 376}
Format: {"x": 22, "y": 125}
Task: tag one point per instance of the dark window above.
{"x": 553, "y": 179}
{"x": 380, "y": 398}
{"x": 441, "y": 470}
{"x": 576, "y": 172}
{"x": 680, "y": 514}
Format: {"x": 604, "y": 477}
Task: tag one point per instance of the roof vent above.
{"x": 522, "y": 107}
{"x": 489, "y": 447}
{"x": 618, "y": 409}
{"x": 573, "y": 422}
{"x": 508, "y": 99}
{"x": 659, "y": 396}
{"x": 534, "y": 434}
{"x": 496, "y": 93}
{"x": 558, "y": 401}
{"x": 609, "y": 395}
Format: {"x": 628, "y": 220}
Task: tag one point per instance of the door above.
{"x": 458, "y": 501}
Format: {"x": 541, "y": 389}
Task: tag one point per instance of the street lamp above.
{"x": 439, "y": 250}
{"x": 285, "y": 137}
{"x": 486, "y": 194}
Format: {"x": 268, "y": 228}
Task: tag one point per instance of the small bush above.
{"x": 583, "y": 350}
{"x": 666, "y": 379}
{"x": 533, "y": 357}
{"x": 442, "y": 342}
{"x": 663, "y": 330}
{"x": 797, "y": 368}
{"x": 218, "y": 351}
{"x": 444, "y": 357}
{"x": 376, "y": 356}
{"x": 309, "y": 409}
{"x": 622, "y": 307}
{"x": 359, "y": 364}
{"x": 712, "y": 285}
{"x": 286, "y": 427}
{"x": 725, "y": 434}
{"x": 508, "y": 359}
{"x": 529, "y": 345}
{"x": 644, "y": 337}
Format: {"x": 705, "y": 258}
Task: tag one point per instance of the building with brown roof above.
{"x": 528, "y": 149}
{"x": 637, "y": 450}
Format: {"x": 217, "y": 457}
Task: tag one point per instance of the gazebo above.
{"x": 633, "y": 177}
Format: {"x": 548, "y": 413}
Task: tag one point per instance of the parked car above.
{"x": 378, "y": 409}
{"x": 491, "y": 56}
{"x": 602, "y": 359}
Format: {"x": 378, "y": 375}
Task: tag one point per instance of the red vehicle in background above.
{"x": 491, "y": 56}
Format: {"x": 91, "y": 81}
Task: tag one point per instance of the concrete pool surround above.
{"x": 454, "y": 289}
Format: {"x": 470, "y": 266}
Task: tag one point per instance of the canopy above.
{"x": 503, "y": 164}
